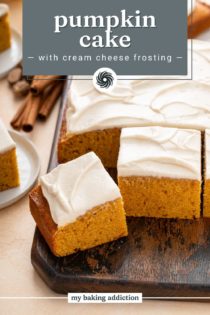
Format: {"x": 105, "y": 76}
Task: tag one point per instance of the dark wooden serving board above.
{"x": 160, "y": 257}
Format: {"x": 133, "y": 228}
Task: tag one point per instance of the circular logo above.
{"x": 104, "y": 79}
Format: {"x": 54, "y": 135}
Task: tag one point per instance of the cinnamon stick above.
{"x": 40, "y": 83}
{"x": 16, "y": 122}
{"x": 40, "y": 105}
{"x": 30, "y": 117}
{"x": 50, "y": 101}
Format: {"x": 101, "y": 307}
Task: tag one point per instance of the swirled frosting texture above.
{"x": 207, "y": 153}
{"x": 6, "y": 142}
{"x": 160, "y": 152}
{"x": 136, "y": 103}
{"x": 73, "y": 188}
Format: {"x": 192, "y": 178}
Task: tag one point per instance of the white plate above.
{"x": 29, "y": 167}
{"x": 12, "y": 56}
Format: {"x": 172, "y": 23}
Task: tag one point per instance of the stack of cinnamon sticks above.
{"x": 44, "y": 92}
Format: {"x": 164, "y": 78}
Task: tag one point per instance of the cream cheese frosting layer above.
{"x": 135, "y": 103}
{"x": 207, "y": 153}
{"x": 73, "y": 188}
{"x": 4, "y": 9}
{"x": 160, "y": 152}
{"x": 6, "y": 142}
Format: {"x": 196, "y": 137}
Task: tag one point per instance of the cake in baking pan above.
{"x": 9, "y": 175}
{"x": 159, "y": 172}
{"x": 5, "y": 33}
{"x": 78, "y": 206}
{"x": 94, "y": 119}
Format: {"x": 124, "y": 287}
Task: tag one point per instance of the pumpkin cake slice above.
{"x": 9, "y": 175}
{"x": 159, "y": 172}
{"x": 78, "y": 206}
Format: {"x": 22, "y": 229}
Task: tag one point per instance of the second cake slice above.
{"x": 159, "y": 172}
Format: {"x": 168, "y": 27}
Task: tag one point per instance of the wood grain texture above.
{"x": 160, "y": 257}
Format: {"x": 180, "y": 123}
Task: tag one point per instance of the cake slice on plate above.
{"x": 159, "y": 172}
{"x": 9, "y": 175}
{"x": 5, "y": 32}
{"x": 78, "y": 206}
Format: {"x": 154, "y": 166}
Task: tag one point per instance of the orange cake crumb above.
{"x": 99, "y": 225}
{"x": 105, "y": 143}
{"x": 9, "y": 176}
{"x": 161, "y": 197}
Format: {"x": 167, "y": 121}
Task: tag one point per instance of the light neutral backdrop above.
{"x": 17, "y": 276}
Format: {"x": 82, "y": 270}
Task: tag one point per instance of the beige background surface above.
{"x": 17, "y": 277}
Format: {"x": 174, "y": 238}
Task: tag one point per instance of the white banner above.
{"x": 110, "y": 298}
